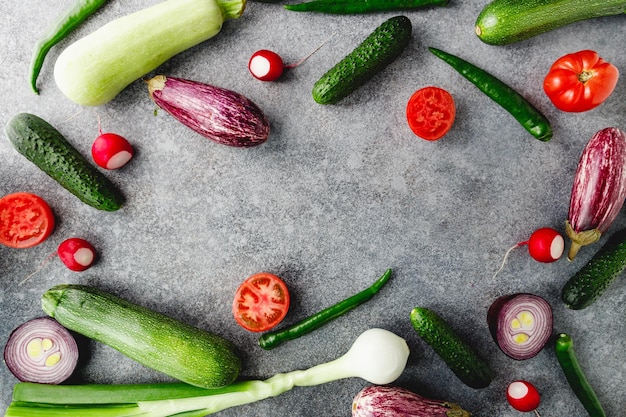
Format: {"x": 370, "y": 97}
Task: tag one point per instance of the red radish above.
{"x": 544, "y": 245}
{"x": 523, "y": 396}
{"x": 76, "y": 253}
{"x": 111, "y": 151}
{"x": 41, "y": 350}
{"x": 266, "y": 65}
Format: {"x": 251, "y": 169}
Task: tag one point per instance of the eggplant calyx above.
{"x": 580, "y": 239}
{"x": 456, "y": 411}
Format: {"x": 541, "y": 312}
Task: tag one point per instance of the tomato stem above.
{"x": 585, "y": 76}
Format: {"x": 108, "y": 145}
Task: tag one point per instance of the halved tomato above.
{"x": 430, "y": 112}
{"x": 261, "y": 302}
{"x": 26, "y": 220}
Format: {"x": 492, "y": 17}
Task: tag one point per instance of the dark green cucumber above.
{"x": 461, "y": 358}
{"x": 361, "y": 6}
{"x": 181, "y": 351}
{"x": 592, "y": 280}
{"x": 46, "y": 147}
{"x": 370, "y": 57}
{"x": 503, "y": 22}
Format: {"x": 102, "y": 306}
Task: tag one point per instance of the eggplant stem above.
{"x": 580, "y": 239}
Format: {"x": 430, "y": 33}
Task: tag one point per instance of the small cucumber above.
{"x": 462, "y": 359}
{"x": 592, "y": 280}
{"x": 377, "y": 51}
{"x": 181, "y": 351}
{"x": 507, "y": 21}
{"x": 46, "y": 147}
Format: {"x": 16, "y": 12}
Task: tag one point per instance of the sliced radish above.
{"x": 523, "y": 396}
{"x": 546, "y": 245}
{"x": 41, "y": 350}
{"x": 266, "y": 65}
{"x": 111, "y": 151}
{"x": 77, "y": 254}
{"x": 521, "y": 324}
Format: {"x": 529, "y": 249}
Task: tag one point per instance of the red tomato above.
{"x": 580, "y": 81}
{"x": 76, "y": 253}
{"x": 430, "y": 112}
{"x": 26, "y": 220}
{"x": 266, "y": 65}
{"x": 261, "y": 302}
{"x": 523, "y": 396}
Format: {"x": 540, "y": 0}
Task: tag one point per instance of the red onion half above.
{"x": 521, "y": 324}
{"x": 41, "y": 350}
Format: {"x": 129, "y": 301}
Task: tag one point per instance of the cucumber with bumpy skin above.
{"x": 162, "y": 343}
{"x": 370, "y": 57}
{"x": 461, "y": 358}
{"x": 592, "y": 280}
{"x": 507, "y": 21}
{"x": 47, "y": 148}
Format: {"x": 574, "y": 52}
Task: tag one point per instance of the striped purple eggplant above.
{"x": 389, "y": 401}
{"x": 222, "y": 115}
{"x": 599, "y": 188}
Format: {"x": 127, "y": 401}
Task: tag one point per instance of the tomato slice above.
{"x": 430, "y": 112}
{"x": 26, "y": 220}
{"x": 261, "y": 302}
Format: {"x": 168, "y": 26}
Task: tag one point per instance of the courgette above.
{"x": 503, "y": 22}
{"x": 592, "y": 280}
{"x": 371, "y": 56}
{"x": 155, "y": 340}
{"x": 48, "y": 149}
{"x": 473, "y": 370}
{"x": 97, "y": 67}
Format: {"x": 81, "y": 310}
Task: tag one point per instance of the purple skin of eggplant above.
{"x": 389, "y": 401}
{"x": 221, "y": 115}
{"x": 507, "y": 308}
{"x": 599, "y": 188}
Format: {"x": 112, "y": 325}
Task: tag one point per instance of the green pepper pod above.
{"x": 272, "y": 339}
{"x": 524, "y": 112}
{"x": 57, "y": 31}
{"x": 361, "y": 6}
{"x": 564, "y": 349}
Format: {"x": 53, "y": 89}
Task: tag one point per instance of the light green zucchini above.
{"x": 96, "y": 68}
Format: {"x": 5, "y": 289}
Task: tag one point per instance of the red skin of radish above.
{"x": 77, "y": 254}
{"x": 523, "y": 396}
{"x": 111, "y": 151}
{"x": 266, "y": 65}
{"x": 546, "y": 245}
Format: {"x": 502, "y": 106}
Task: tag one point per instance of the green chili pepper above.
{"x": 272, "y": 339}
{"x": 564, "y": 348}
{"x": 56, "y": 32}
{"x": 524, "y": 112}
{"x": 361, "y": 6}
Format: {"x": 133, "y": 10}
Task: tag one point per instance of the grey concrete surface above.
{"x": 336, "y": 196}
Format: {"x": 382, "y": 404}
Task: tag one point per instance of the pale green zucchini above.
{"x": 96, "y": 68}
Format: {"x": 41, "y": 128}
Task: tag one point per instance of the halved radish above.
{"x": 111, "y": 151}
{"x": 77, "y": 254}
{"x": 266, "y": 65}
{"x": 523, "y": 396}
{"x": 546, "y": 245}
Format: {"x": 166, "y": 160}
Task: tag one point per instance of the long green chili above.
{"x": 272, "y": 339}
{"x": 564, "y": 349}
{"x": 524, "y": 112}
{"x": 361, "y": 6}
{"x": 57, "y": 31}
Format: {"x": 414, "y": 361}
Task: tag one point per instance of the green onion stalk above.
{"x": 378, "y": 356}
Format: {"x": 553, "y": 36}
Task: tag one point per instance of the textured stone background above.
{"x": 336, "y": 196}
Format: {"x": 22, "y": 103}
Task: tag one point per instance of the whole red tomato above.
{"x": 580, "y": 81}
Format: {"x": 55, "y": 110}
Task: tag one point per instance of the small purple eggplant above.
{"x": 216, "y": 113}
{"x": 389, "y": 401}
{"x": 599, "y": 188}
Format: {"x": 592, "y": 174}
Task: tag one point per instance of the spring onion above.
{"x": 377, "y": 355}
